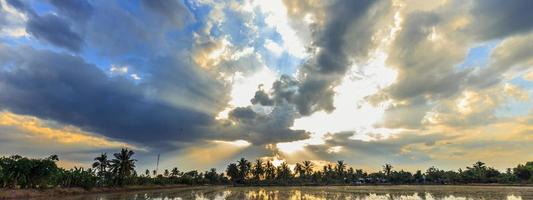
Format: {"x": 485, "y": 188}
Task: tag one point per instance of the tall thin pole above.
{"x": 157, "y": 165}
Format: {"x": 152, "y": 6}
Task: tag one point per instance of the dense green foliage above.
{"x": 21, "y": 172}
{"x": 265, "y": 173}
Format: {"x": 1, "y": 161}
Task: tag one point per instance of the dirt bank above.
{"x": 53, "y": 192}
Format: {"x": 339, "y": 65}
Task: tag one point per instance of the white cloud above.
{"x": 273, "y": 47}
{"x": 135, "y": 77}
{"x": 118, "y": 70}
{"x": 276, "y": 16}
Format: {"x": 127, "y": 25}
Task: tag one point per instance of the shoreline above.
{"x": 55, "y": 192}
{"x": 61, "y": 192}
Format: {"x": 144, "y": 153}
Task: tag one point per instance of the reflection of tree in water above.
{"x": 312, "y": 194}
{"x": 326, "y": 193}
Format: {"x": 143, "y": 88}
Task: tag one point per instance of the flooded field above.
{"x": 327, "y": 192}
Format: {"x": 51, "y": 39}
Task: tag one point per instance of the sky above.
{"x": 413, "y": 83}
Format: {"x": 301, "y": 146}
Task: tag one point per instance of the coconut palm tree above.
{"x": 270, "y": 170}
{"x": 233, "y": 172}
{"x": 101, "y": 163}
{"x": 308, "y": 167}
{"x": 123, "y": 165}
{"x": 299, "y": 170}
{"x": 340, "y": 168}
{"x": 174, "y": 172}
{"x": 244, "y": 169}
{"x": 258, "y": 170}
{"x": 284, "y": 173}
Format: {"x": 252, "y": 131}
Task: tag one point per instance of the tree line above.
{"x": 119, "y": 170}
{"x": 244, "y": 172}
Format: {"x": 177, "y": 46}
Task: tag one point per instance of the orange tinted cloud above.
{"x": 39, "y": 129}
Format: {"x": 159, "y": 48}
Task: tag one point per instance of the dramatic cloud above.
{"x": 492, "y": 19}
{"x": 333, "y": 51}
{"x": 268, "y": 129}
{"x": 67, "y": 89}
{"x": 50, "y": 28}
{"x": 411, "y": 82}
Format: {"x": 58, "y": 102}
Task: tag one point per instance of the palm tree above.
{"x": 175, "y": 172}
{"x": 387, "y": 169}
{"x": 123, "y": 165}
{"x": 258, "y": 170}
{"x": 244, "y": 169}
{"x": 284, "y": 172}
{"x": 270, "y": 170}
{"x": 101, "y": 163}
{"x": 166, "y": 173}
{"x": 328, "y": 173}
{"x": 341, "y": 166}
{"x": 233, "y": 172}
{"x": 147, "y": 173}
{"x": 299, "y": 170}
{"x": 308, "y": 167}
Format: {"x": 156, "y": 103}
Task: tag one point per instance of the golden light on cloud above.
{"x": 497, "y": 143}
{"x": 334, "y": 149}
{"x": 290, "y": 147}
{"x": 211, "y": 53}
{"x": 211, "y": 152}
{"x": 276, "y": 160}
{"x": 470, "y": 103}
{"x": 67, "y": 135}
{"x": 237, "y": 143}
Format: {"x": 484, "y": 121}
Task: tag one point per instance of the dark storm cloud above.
{"x": 283, "y": 91}
{"x": 324, "y": 70}
{"x": 260, "y": 129}
{"x": 183, "y": 84}
{"x": 329, "y": 65}
{"x": 173, "y": 11}
{"x": 54, "y": 30}
{"x": 174, "y": 101}
{"x": 262, "y": 98}
{"x": 50, "y": 28}
{"x": 65, "y": 88}
{"x": 495, "y": 19}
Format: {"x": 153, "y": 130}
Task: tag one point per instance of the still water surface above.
{"x": 327, "y": 192}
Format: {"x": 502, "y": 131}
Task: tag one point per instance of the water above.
{"x": 327, "y": 192}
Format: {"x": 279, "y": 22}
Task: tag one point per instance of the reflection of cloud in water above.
{"x": 329, "y": 192}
